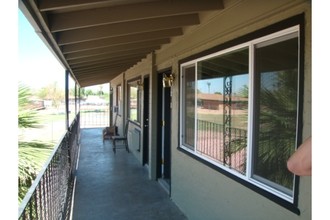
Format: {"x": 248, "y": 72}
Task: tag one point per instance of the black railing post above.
{"x": 75, "y": 99}
{"x": 50, "y": 193}
{"x": 66, "y": 99}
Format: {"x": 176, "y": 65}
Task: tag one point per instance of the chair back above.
{"x": 126, "y": 128}
{"x": 115, "y": 122}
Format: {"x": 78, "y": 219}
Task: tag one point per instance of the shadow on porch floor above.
{"x": 116, "y": 186}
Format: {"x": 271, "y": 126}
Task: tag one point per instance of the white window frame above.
{"x": 135, "y": 82}
{"x": 248, "y": 175}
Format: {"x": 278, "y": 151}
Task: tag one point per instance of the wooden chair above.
{"x": 108, "y": 132}
{"x": 121, "y": 138}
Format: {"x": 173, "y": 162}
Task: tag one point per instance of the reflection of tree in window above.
{"x": 216, "y": 108}
{"x": 276, "y": 105}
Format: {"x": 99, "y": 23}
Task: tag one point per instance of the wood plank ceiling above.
{"x": 98, "y": 39}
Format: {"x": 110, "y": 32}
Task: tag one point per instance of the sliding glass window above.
{"x": 239, "y": 109}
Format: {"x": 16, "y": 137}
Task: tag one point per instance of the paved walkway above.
{"x": 116, "y": 186}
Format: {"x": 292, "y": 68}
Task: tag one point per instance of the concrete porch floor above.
{"x": 116, "y": 186}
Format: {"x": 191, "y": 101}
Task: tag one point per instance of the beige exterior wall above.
{"x": 145, "y": 68}
{"x": 119, "y": 80}
{"x": 200, "y": 191}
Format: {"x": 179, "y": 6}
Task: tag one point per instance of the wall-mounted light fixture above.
{"x": 168, "y": 80}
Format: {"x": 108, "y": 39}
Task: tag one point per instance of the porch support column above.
{"x": 79, "y": 95}
{"x": 75, "y": 99}
{"x": 67, "y": 99}
{"x": 110, "y": 105}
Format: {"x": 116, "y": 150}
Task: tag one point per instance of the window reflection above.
{"x": 275, "y": 127}
{"x": 133, "y": 101}
{"x": 222, "y": 108}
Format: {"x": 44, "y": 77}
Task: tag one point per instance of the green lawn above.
{"x": 237, "y": 121}
{"x": 48, "y": 118}
{"x": 52, "y": 128}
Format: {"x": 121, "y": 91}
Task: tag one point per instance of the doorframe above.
{"x": 146, "y": 120}
{"x": 163, "y": 173}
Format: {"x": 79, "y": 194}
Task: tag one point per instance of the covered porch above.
{"x": 154, "y": 54}
{"x": 116, "y": 186}
{"x": 85, "y": 179}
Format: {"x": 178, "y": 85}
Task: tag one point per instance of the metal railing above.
{"x": 211, "y": 143}
{"x": 94, "y": 116}
{"x": 49, "y": 197}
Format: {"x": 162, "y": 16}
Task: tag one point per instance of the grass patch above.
{"x": 237, "y": 121}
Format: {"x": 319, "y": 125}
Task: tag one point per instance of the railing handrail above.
{"x": 42, "y": 171}
{"x": 218, "y": 124}
{"x": 32, "y": 189}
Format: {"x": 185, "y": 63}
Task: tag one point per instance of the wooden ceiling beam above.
{"x": 73, "y": 27}
{"x": 118, "y": 48}
{"x": 128, "y": 12}
{"x": 87, "y": 71}
{"x": 51, "y": 5}
{"x": 98, "y": 71}
{"x": 101, "y": 73}
{"x": 107, "y": 52}
{"x": 121, "y": 47}
{"x": 73, "y": 5}
{"x": 141, "y": 37}
{"x": 96, "y": 81}
{"x": 126, "y": 28}
{"x": 90, "y": 65}
{"x": 112, "y": 56}
{"x": 105, "y": 60}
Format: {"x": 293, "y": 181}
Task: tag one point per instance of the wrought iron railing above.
{"x": 228, "y": 148}
{"x": 49, "y": 197}
{"x": 94, "y": 116}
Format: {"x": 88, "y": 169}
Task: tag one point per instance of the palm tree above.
{"x": 277, "y": 128}
{"x": 32, "y": 155}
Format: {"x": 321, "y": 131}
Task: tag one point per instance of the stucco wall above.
{"x": 200, "y": 191}
{"x": 138, "y": 71}
{"x": 143, "y": 68}
{"x": 119, "y": 80}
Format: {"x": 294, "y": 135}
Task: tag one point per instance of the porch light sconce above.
{"x": 140, "y": 84}
{"x": 168, "y": 80}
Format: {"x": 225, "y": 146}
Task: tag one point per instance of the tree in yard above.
{"x": 244, "y": 91}
{"x": 32, "y": 155}
{"x": 52, "y": 92}
{"x": 89, "y": 92}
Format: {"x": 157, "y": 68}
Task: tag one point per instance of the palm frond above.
{"x": 27, "y": 118}
{"x": 31, "y": 158}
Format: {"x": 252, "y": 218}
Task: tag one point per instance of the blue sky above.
{"x": 216, "y": 84}
{"x": 37, "y": 66}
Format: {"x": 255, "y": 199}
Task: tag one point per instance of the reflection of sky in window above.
{"x": 215, "y": 85}
{"x": 269, "y": 80}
